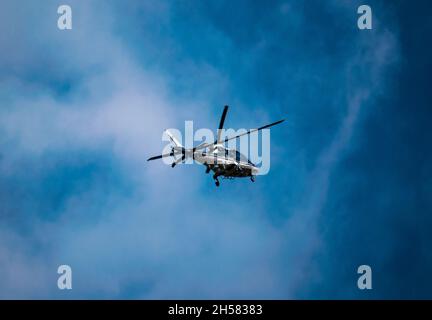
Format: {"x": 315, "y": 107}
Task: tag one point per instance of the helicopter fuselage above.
{"x": 222, "y": 164}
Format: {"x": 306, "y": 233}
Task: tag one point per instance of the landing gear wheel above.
{"x": 217, "y": 183}
{"x": 252, "y": 179}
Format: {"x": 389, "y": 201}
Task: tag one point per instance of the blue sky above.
{"x": 82, "y": 110}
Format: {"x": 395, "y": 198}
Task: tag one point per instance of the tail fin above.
{"x": 173, "y": 139}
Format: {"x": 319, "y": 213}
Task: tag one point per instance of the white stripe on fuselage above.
{"x": 222, "y": 161}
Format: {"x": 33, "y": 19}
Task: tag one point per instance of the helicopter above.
{"x": 224, "y": 162}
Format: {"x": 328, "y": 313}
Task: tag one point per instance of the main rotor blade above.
{"x": 161, "y": 156}
{"x": 221, "y": 123}
{"x": 240, "y": 135}
{"x": 254, "y": 130}
{"x": 222, "y": 120}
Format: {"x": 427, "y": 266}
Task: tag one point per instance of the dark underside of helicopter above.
{"x": 229, "y": 171}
